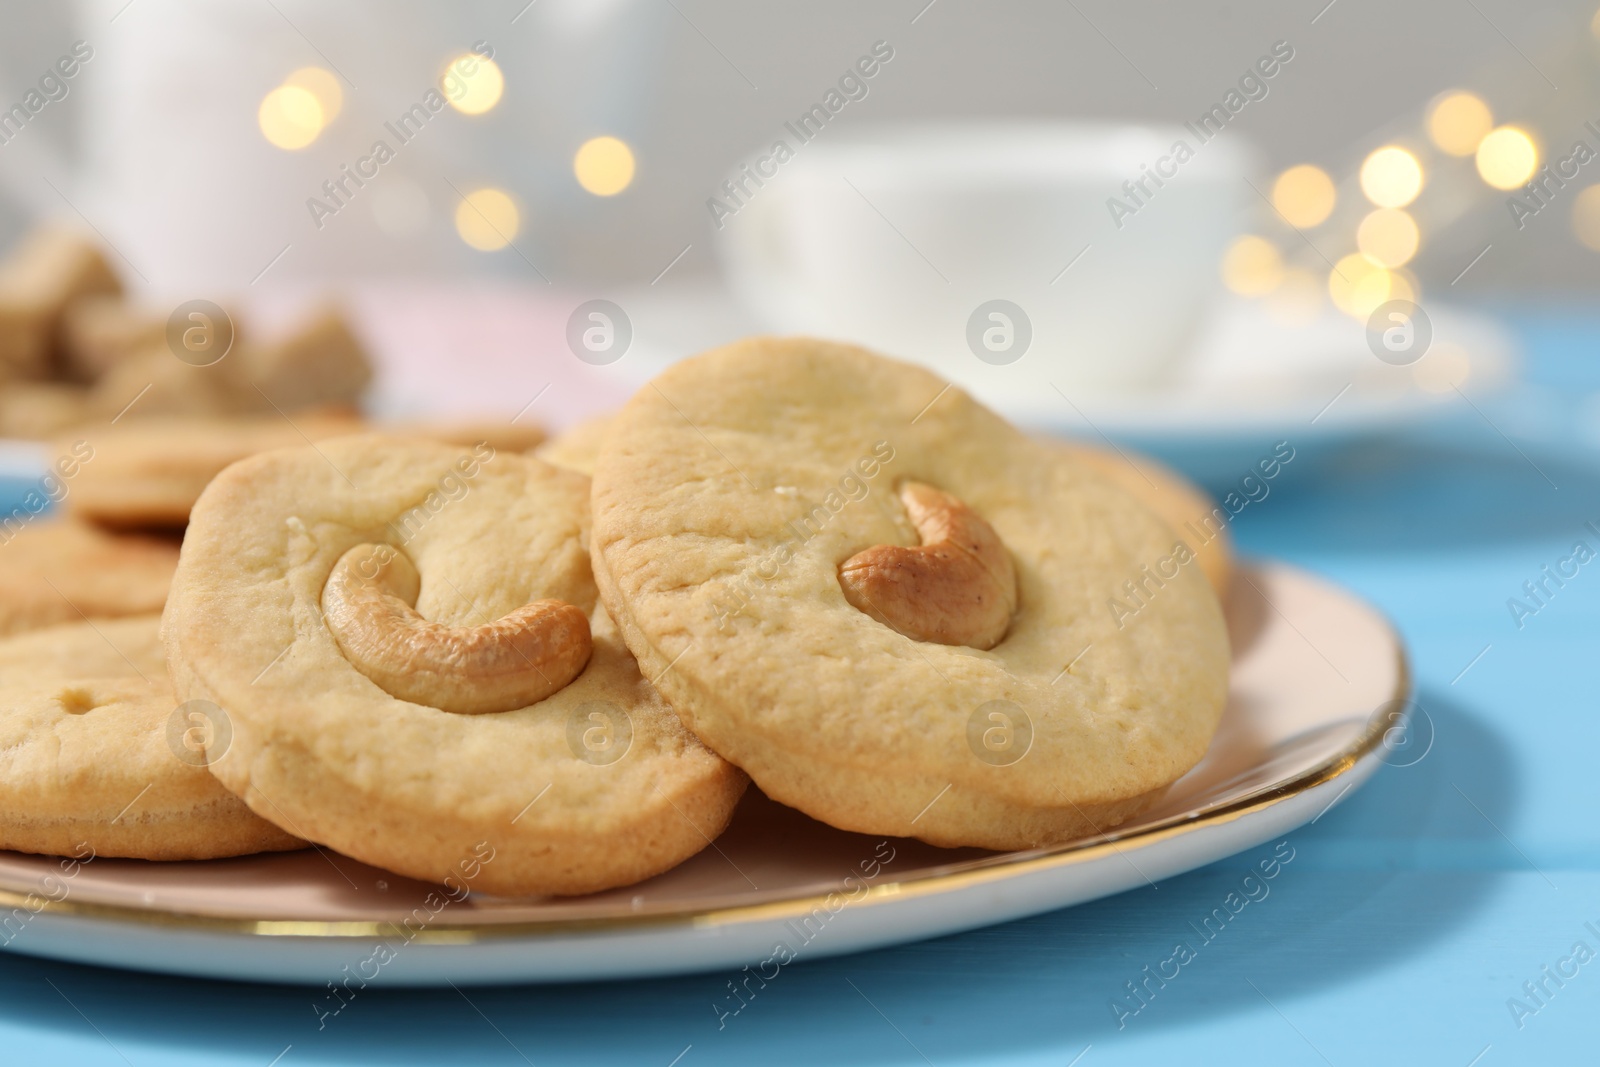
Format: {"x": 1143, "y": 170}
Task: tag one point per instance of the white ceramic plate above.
{"x": 1318, "y": 680}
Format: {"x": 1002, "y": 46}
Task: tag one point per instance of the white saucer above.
{"x": 1252, "y": 379}
{"x": 1318, "y": 684}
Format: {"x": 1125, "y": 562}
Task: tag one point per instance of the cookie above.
{"x": 35, "y": 410}
{"x": 1186, "y": 508}
{"x": 60, "y": 570}
{"x": 43, "y": 274}
{"x": 576, "y": 447}
{"x": 320, "y": 362}
{"x": 151, "y": 383}
{"x": 149, "y": 473}
{"x": 406, "y": 639}
{"x": 500, "y": 434}
{"x": 99, "y": 332}
{"x": 895, "y": 611}
{"x": 96, "y": 759}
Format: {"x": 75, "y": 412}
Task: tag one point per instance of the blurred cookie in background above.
{"x": 148, "y": 473}
{"x": 98, "y": 332}
{"x": 39, "y": 279}
{"x": 59, "y": 570}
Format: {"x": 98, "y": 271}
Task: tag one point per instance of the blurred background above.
{"x": 165, "y": 145}
{"x": 583, "y": 149}
{"x": 522, "y": 159}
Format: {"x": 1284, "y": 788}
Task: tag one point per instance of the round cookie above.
{"x": 596, "y": 785}
{"x": 503, "y": 435}
{"x": 1165, "y": 492}
{"x": 745, "y": 489}
{"x": 149, "y": 473}
{"x": 577, "y": 447}
{"x": 62, "y": 570}
{"x": 1186, "y": 508}
{"x": 91, "y": 760}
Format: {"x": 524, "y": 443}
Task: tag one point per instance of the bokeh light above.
{"x": 322, "y": 85}
{"x": 1458, "y": 121}
{"x": 1389, "y": 236}
{"x": 1403, "y": 286}
{"x": 473, "y": 84}
{"x": 1304, "y": 195}
{"x": 1391, "y": 177}
{"x": 1252, "y": 266}
{"x": 1507, "y": 157}
{"x": 290, "y": 117}
{"x": 1357, "y": 285}
{"x": 1586, "y": 217}
{"x": 488, "y": 219}
{"x": 603, "y": 166}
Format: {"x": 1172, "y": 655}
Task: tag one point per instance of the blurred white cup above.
{"x": 923, "y": 241}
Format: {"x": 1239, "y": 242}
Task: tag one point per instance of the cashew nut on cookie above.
{"x": 956, "y": 588}
{"x": 512, "y": 662}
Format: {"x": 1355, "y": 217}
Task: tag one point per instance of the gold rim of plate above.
{"x": 970, "y": 873}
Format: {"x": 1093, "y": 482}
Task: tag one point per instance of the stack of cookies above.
{"x": 785, "y": 561}
{"x": 137, "y": 412}
{"x": 74, "y": 351}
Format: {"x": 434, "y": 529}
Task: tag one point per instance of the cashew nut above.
{"x": 956, "y": 588}
{"x": 510, "y": 663}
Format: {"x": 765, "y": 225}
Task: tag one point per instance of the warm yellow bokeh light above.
{"x": 1389, "y": 236}
{"x": 1304, "y": 195}
{"x": 290, "y": 117}
{"x": 1252, "y": 266}
{"x": 1358, "y": 285}
{"x": 488, "y": 219}
{"x": 1507, "y": 157}
{"x": 1594, "y": 24}
{"x": 1586, "y": 217}
{"x": 604, "y": 166}
{"x": 1403, "y": 286}
{"x": 322, "y": 85}
{"x": 1391, "y": 177}
{"x": 1458, "y": 121}
{"x": 473, "y": 84}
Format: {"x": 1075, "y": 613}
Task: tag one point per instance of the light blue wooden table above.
{"x": 1404, "y": 931}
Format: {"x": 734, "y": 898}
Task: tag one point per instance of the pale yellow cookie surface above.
{"x": 149, "y": 473}
{"x": 92, "y": 761}
{"x": 325, "y": 750}
{"x": 1185, "y": 507}
{"x": 62, "y": 570}
{"x": 577, "y": 447}
{"x": 725, "y": 500}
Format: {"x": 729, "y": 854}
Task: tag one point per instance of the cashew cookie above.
{"x": 407, "y": 640}
{"x": 895, "y": 611}
{"x": 97, "y": 758}
{"x": 1185, "y": 507}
